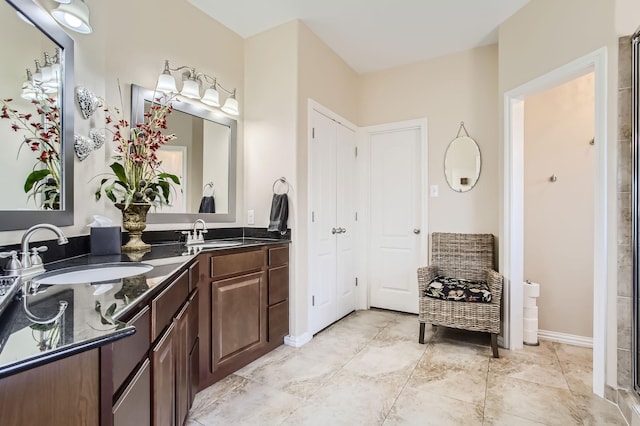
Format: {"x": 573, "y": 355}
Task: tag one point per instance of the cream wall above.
{"x": 328, "y": 80}
{"x": 541, "y": 37}
{"x": 558, "y": 218}
{"x": 271, "y": 75}
{"x": 284, "y": 67}
{"x": 132, "y": 47}
{"x": 446, "y": 90}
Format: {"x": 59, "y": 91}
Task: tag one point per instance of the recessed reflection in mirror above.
{"x": 199, "y": 156}
{"x": 30, "y": 128}
{"x": 203, "y": 155}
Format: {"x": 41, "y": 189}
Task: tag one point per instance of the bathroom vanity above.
{"x": 138, "y": 349}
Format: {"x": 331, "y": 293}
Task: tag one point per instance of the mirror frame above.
{"x": 138, "y": 97}
{"x": 22, "y": 219}
{"x": 444, "y": 163}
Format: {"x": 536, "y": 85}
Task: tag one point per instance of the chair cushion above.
{"x": 458, "y": 289}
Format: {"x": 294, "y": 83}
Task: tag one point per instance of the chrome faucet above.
{"x": 197, "y": 235}
{"x": 32, "y": 264}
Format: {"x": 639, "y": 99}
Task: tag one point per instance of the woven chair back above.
{"x": 465, "y": 256}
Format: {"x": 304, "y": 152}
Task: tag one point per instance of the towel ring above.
{"x": 281, "y": 180}
{"x": 208, "y": 185}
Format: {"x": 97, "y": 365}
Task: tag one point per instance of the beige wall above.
{"x": 541, "y": 37}
{"x": 271, "y": 75}
{"x": 558, "y": 218}
{"x": 327, "y": 79}
{"x": 284, "y": 68}
{"x": 446, "y": 90}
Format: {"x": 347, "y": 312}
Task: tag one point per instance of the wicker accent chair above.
{"x": 470, "y": 257}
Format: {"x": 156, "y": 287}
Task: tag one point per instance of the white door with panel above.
{"x": 396, "y": 218}
{"x": 332, "y": 206}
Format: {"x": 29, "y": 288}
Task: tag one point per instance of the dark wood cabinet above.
{"x": 132, "y": 408}
{"x": 163, "y": 367}
{"x": 61, "y": 393}
{"x": 239, "y": 317}
{"x": 183, "y": 373}
{"x": 244, "y": 308}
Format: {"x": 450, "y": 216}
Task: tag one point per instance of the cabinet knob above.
{"x": 416, "y": 231}
{"x": 334, "y": 231}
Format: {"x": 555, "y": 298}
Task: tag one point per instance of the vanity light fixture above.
{"x": 73, "y": 14}
{"x": 192, "y": 80}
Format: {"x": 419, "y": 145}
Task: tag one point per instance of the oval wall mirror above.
{"x": 462, "y": 163}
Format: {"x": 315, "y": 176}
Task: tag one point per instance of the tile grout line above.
{"x": 324, "y": 382}
{"x": 430, "y": 343}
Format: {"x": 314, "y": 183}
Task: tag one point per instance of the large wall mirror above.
{"x": 203, "y": 155}
{"x": 36, "y": 124}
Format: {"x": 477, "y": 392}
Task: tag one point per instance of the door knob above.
{"x": 416, "y": 231}
{"x": 334, "y": 231}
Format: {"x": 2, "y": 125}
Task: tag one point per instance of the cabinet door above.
{"x": 194, "y": 382}
{"x": 134, "y": 406}
{"x": 239, "y": 322}
{"x": 164, "y": 379}
{"x": 181, "y": 338}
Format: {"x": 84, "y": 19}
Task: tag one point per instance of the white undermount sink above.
{"x": 217, "y": 244}
{"x": 92, "y": 273}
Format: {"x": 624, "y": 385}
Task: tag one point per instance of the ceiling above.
{"x": 371, "y": 35}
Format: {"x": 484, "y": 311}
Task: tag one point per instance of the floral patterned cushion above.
{"x": 458, "y": 289}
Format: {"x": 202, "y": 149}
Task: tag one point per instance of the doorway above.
{"x": 512, "y": 252}
{"x": 397, "y": 235}
{"x": 332, "y": 240}
{"x": 558, "y": 210}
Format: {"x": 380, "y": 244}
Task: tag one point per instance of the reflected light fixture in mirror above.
{"x": 73, "y": 14}
{"x": 191, "y": 87}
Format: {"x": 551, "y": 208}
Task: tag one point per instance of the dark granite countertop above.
{"x": 94, "y": 310}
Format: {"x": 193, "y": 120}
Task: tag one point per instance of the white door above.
{"x": 174, "y": 161}
{"x": 396, "y": 218}
{"x": 331, "y": 265}
{"x": 345, "y": 219}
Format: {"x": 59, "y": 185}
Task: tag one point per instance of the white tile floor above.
{"x": 369, "y": 369}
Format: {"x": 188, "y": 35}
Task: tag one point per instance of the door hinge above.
{"x": 313, "y": 216}
{"x": 313, "y": 301}
{"x": 356, "y": 281}
{"x": 356, "y": 151}
{"x": 313, "y": 133}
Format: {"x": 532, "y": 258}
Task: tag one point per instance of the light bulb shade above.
{"x": 231, "y": 106}
{"x": 211, "y": 97}
{"x": 73, "y": 15}
{"x": 191, "y": 89}
{"x": 166, "y": 84}
{"x": 28, "y": 92}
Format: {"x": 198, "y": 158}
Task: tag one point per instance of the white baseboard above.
{"x": 297, "y": 341}
{"x": 569, "y": 339}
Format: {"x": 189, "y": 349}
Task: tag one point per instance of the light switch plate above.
{"x": 251, "y": 217}
{"x": 434, "y": 191}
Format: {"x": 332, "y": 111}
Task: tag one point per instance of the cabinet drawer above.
{"x": 278, "y": 256}
{"x": 128, "y": 352}
{"x": 194, "y": 275}
{"x": 236, "y": 263}
{"x": 278, "y": 321}
{"x": 134, "y": 406}
{"x": 278, "y": 284}
{"x": 165, "y": 306}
